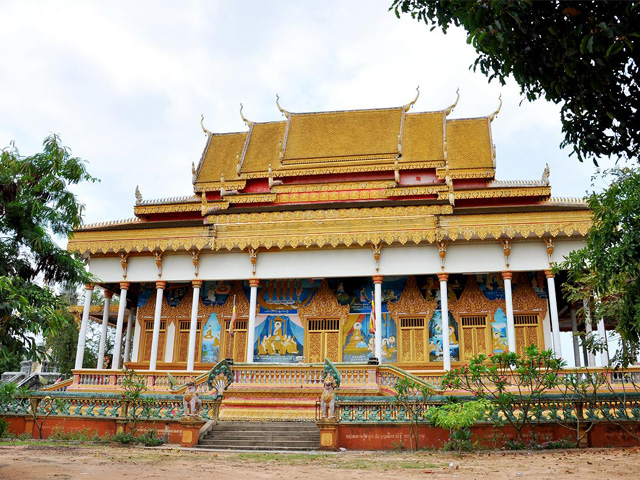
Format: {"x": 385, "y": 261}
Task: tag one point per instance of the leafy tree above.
{"x": 605, "y": 274}
{"x": 137, "y": 404}
{"x": 413, "y": 396}
{"x": 61, "y": 346}
{"x": 514, "y": 384}
{"x": 582, "y": 55}
{"x": 458, "y": 418}
{"x": 36, "y": 205}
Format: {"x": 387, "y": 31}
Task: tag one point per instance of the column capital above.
{"x": 443, "y": 276}
{"x": 89, "y": 286}
{"x": 507, "y": 274}
{"x": 254, "y": 282}
{"x": 377, "y": 278}
{"x": 124, "y": 285}
{"x": 549, "y": 274}
{"x": 196, "y": 283}
{"x": 108, "y": 294}
{"x": 161, "y": 284}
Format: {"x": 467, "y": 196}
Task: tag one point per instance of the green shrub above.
{"x": 4, "y": 428}
{"x": 150, "y": 438}
{"x": 123, "y": 437}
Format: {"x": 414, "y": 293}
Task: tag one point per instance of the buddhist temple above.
{"x": 378, "y": 237}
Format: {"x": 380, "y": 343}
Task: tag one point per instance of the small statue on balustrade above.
{"x": 328, "y": 401}
{"x": 190, "y": 400}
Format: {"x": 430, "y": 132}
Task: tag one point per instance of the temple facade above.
{"x": 359, "y": 236}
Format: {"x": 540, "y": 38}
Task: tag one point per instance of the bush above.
{"x": 4, "y": 428}
{"x": 150, "y": 438}
{"x": 84, "y": 435}
{"x": 123, "y": 437}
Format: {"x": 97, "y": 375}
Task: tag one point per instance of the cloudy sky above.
{"x": 124, "y": 84}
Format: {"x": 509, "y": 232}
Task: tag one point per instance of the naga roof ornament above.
{"x": 206, "y": 132}
{"x": 408, "y": 106}
{"x": 494, "y": 114}
{"x": 282, "y": 110}
{"x": 248, "y": 122}
{"x": 455, "y": 104}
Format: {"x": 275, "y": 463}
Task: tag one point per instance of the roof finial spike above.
{"x": 455, "y": 104}
{"x": 245, "y": 120}
{"x": 206, "y": 132}
{"x": 545, "y": 175}
{"x": 408, "y": 106}
{"x": 494, "y": 114}
{"x": 282, "y": 110}
{"x": 138, "y": 196}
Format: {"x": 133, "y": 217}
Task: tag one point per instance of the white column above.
{"x": 508, "y": 300}
{"x": 117, "y": 347}
{"x": 156, "y": 324}
{"x": 604, "y": 354}
{"x": 588, "y": 328}
{"x": 103, "y": 331}
{"x": 251, "y": 327}
{"x": 553, "y": 311}
{"x": 377, "y": 292}
{"x": 574, "y": 332}
{"x": 82, "y": 336}
{"x": 137, "y": 335}
{"x": 444, "y": 308}
{"x": 127, "y": 340}
{"x": 194, "y": 324}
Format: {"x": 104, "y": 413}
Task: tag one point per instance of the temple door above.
{"x": 413, "y": 340}
{"x": 238, "y": 349}
{"x": 474, "y": 338}
{"x": 148, "y": 340}
{"x": 323, "y": 340}
{"x": 182, "y": 341}
{"x": 528, "y": 331}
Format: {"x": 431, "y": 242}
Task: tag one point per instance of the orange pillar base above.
{"x": 328, "y": 433}
{"x": 190, "y": 430}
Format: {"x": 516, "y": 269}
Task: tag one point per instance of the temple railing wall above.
{"x": 377, "y": 379}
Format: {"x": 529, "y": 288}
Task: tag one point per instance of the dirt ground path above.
{"x": 27, "y": 462}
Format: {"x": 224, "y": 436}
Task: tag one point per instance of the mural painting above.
{"x": 538, "y": 283}
{"x": 215, "y": 293}
{"x": 499, "y": 332}
{"x": 358, "y": 338}
{"x": 211, "y": 340}
{"x": 389, "y": 336}
{"x": 279, "y": 338}
{"x": 435, "y": 337}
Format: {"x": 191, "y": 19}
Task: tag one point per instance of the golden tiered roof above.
{"x": 340, "y": 179}
{"x": 346, "y": 142}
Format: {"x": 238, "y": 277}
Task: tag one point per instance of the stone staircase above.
{"x": 288, "y": 436}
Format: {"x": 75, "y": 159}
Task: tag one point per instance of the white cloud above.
{"x": 124, "y": 83}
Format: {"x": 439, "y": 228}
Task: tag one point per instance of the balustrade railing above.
{"x": 382, "y": 377}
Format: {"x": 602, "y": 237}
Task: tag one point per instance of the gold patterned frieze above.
{"x": 525, "y": 225}
{"x": 389, "y": 165}
{"x": 335, "y": 227}
{"x": 170, "y": 208}
{"x": 466, "y": 173}
{"x": 139, "y": 240}
{"x": 417, "y": 190}
{"x": 333, "y": 187}
{"x": 215, "y": 186}
{"x": 251, "y": 198}
{"x": 497, "y": 193}
{"x": 333, "y": 196}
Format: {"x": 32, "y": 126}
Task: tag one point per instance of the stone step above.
{"x": 262, "y": 444}
{"x": 262, "y": 435}
{"x": 258, "y": 448}
{"x": 265, "y": 435}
